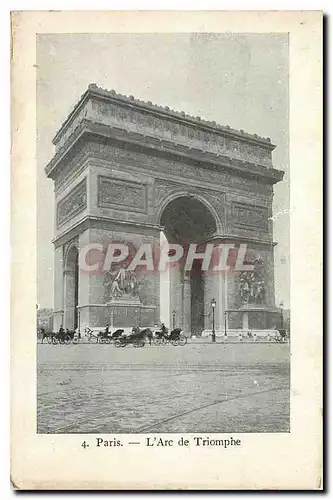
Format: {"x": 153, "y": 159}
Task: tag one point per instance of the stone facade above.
{"x": 119, "y": 164}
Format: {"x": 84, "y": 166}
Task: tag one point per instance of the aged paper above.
{"x": 143, "y": 376}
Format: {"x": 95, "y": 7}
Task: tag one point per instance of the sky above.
{"x": 240, "y": 80}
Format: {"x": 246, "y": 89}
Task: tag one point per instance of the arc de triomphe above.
{"x": 124, "y": 170}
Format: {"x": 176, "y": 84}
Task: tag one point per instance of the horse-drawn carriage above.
{"x": 102, "y": 337}
{"x": 137, "y": 338}
{"x": 162, "y": 337}
{"x": 282, "y": 336}
{"x": 61, "y": 337}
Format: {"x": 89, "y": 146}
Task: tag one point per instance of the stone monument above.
{"x": 125, "y": 170}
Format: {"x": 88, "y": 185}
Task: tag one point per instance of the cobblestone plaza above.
{"x": 201, "y": 387}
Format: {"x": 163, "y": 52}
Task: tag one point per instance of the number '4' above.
{"x": 84, "y": 445}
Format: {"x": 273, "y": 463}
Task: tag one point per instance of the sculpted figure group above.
{"x": 120, "y": 282}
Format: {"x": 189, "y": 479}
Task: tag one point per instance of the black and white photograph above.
{"x": 163, "y": 233}
{"x": 166, "y": 283}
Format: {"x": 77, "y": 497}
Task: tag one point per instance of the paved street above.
{"x": 201, "y": 387}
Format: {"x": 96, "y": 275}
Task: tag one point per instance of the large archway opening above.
{"x": 71, "y": 289}
{"x": 186, "y": 220}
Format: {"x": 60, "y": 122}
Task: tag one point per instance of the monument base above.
{"x": 267, "y": 334}
{"x": 129, "y": 313}
{"x": 261, "y": 321}
{"x": 117, "y": 314}
{"x": 254, "y": 317}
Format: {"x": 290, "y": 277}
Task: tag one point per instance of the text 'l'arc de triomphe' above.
{"x": 124, "y": 170}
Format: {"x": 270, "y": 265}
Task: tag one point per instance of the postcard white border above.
{"x": 264, "y": 461}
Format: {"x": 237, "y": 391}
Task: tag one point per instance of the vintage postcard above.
{"x": 166, "y": 283}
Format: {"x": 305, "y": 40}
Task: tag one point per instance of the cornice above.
{"x": 242, "y": 239}
{"x": 162, "y": 146}
{"x": 102, "y": 222}
{"x": 94, "y": 91}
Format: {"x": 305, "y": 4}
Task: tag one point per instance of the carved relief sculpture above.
{"x": 249, "y": 216}
{"x": 72, "y": 204}
{"x": 252, "y": 286}
{"x": 120, "y": 193}
{"x": 120, "y": 283}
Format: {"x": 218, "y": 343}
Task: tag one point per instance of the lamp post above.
{"x": 213, "y": 304}
{"x": 225, "y": 323}
{"x": 173, "y": 319}
{"x": 79, "y": 323}
{"x": 281, "y": 313}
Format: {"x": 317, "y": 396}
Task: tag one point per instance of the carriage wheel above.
{"x": 93, "y": 339}
{"x": 175, "y": 342}
{"x": 157, "y": 341}
{"x": 104, "y": 340}
{"x": 118, "y": 343}
{"x": 136, "y": 343}
{"x": 182, "y": 340}
{"x": 49, "y": 340}
{"x": 163, "y": 340}
{"x": 75, "y": 340}
{"x": 54, "y": 340}
{"x": 61, "y": 340}
{"x": 67, "y": 340}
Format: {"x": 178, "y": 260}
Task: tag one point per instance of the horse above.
{"x": 61, "y": 337}
{"x": 69, "y": 333}
{"x": 148, "y": 334}
{"x": 144, "y": 334}
{"x": 47, "y": 335}
{"x": 282, "y": 337}
{"x": 102, "y": 335}
{"x": 65, "y": 336}
{"x": 90, "y": 334}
